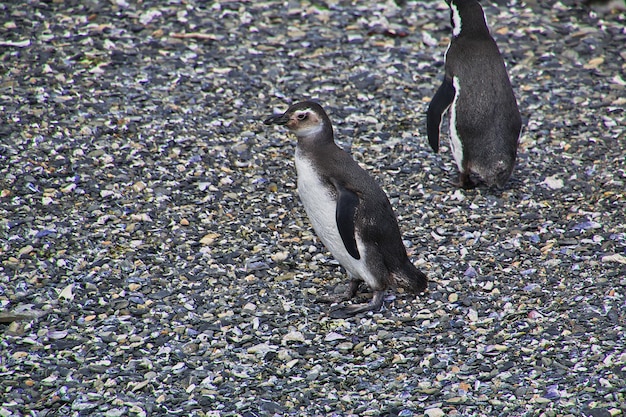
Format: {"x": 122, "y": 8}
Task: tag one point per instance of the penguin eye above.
{"x": 303, "y": 116}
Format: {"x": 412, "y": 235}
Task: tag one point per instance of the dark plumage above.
{"x": 485, "y": 122}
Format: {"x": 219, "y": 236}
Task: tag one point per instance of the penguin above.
{"x": 485, "y": 122}
{"x": 349, "y": 212}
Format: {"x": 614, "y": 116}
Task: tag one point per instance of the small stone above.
{"x": 139, "y": 186}
{"x": 470, "y": 272}
{"x": 57, "y": 334}
{"x": 434, "y": 412}
{"x": 209, "y": 238}
{"x": 280, "y": 256}
{"x": 250, "y": 307}
{"x": 553, "y": 183}
{"x": 472, "y": 315}
{"x": 67, "y": 293}
{"x": 369, "y": 350}
{"x": 614, "y": 258}
{"x": 25, "y": 251}
{"x": 594, "y": 63}
{"x": 141, "y": 217}
{"x": 294, "y": 336}
{"x": 262, "y": 348}
{"x": 345, "y": 346}
{"x": 456, "y": 400}
{"x": 332, "y": 336}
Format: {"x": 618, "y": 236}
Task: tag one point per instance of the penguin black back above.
{"x": 485, "y": 122}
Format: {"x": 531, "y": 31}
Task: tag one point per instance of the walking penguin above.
{"x": 348, "y": 210}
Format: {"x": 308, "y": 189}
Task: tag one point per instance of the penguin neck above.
{"x": 474, "y": 31}
{"x": 321, "y": 138}
{"x": 469, "y": 22}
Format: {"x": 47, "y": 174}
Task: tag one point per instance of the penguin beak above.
{"x": 281, "y": 119}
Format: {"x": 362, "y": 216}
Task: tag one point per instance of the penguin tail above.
{"x": 410, "y": 278}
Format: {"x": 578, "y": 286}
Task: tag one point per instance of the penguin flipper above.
{"x": 347, "y": 202}
{"x": 438, "y": 106}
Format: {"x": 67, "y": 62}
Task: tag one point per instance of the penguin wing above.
{"x": 438, "y": 106}
{"x": 347, "y": 202}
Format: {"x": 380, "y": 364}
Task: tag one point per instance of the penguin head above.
{"x": 304, "y": 119}
{"x": 467, "y": 18}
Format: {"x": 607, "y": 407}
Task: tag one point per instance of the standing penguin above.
{"x": 485, "y": 123}
{"x": 348, "y": 210}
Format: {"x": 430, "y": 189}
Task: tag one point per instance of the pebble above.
{"x": 189, "y": 270}
{"x": 293, "y": 336}
{"x": 434, "y": 412}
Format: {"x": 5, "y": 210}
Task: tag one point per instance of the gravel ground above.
{"x": 156, "y": 261}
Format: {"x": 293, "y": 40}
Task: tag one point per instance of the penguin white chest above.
{"x": 320, "y": 204}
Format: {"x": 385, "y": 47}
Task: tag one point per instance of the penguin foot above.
{"x": 347, "y": 295}
{"x": 354, "y": 309}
